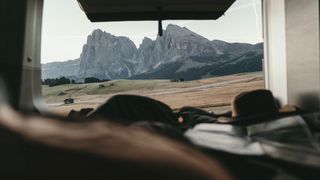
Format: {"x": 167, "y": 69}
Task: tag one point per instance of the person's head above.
{"x": 127, "y": 109}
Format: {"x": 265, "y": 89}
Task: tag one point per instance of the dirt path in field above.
{"x": 212, "y": 94}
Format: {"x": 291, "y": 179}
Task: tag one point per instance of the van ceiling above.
{"x": 131, "y": 10}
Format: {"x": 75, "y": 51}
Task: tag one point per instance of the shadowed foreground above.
{"x": 45, "y": 148}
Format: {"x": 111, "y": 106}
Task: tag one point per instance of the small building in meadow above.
{"x": 69, "y": 101}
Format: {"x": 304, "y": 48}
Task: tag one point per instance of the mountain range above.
{"x": 178, "y": 53}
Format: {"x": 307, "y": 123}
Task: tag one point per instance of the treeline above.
{"x": 94, "y": 80}
{"x": 58, "y": 81}
{"x": 63, "y": 80}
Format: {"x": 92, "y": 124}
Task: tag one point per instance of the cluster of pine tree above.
{"x": 57, "y": 81}
{"x": 94, "y": 80}
{"x": 63, "y": 80}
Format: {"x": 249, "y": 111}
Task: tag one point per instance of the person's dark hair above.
{"x": 127, "y": 109}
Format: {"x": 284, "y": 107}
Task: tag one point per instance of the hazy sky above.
{"x": 65, "y": 28}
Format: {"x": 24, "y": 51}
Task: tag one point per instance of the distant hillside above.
{"x": 57, "y": 69}
{"x": 179, "y": 53}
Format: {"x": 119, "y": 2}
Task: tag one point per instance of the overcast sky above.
{"x": 65, "y": 28}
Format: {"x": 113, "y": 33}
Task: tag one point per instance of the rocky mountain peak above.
{"x": 182, "y": 32}
{"x": 96, "y": 35}
{"x": 146, "y": 40}
{"x": 97, "y": 32}
{"x": 177, "y": 30}
{"x": 146, "y": 43}
{"x": 106, "y": 56}
{"x": 179, "y": 50}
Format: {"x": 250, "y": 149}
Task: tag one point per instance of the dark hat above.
{"x": 255, "y": 106}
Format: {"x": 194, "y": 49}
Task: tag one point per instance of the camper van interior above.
{"x": 179, "y": 105}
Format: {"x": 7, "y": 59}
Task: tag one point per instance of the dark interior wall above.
{"x": 12, "y": 23}
{"x": 20, "y": 65}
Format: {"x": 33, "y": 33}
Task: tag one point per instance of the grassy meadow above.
{"x": 211, "y": 93}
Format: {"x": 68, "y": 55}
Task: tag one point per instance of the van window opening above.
{"x": 199, "y": 63}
